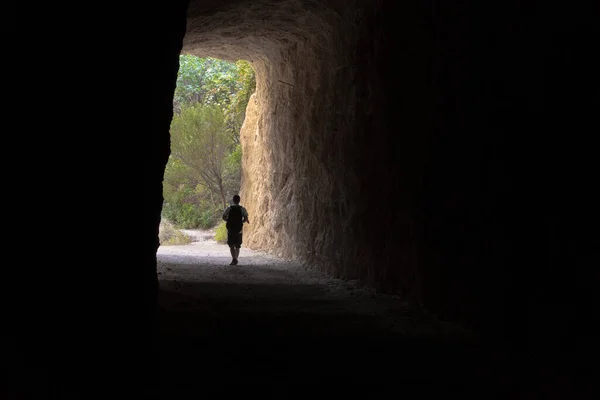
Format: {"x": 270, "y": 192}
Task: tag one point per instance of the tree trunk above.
{"x": 222, "y": 193}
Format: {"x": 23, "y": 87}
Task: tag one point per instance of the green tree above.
{"x": 205, "y": 165}
{"x": 236, "y": 112}
{"x": 200, "y": 144}
{"x": 190, "y": 82}
{"x": 206, "y": 81}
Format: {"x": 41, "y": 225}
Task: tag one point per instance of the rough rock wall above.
{"x": 485, "y": 154}
{"x": 501, "y": 103}
{"x": 386, "y": 142}
{"x": 326, "y": 182}
{"x": 299, "y": 142}
{"x": 324, "y": 179}
{"x": 293, "y": 163}
{"x": 337, "y": 138}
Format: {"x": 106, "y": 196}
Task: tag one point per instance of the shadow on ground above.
{"x": 261, "y": 333}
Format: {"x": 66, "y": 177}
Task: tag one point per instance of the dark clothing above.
{"x": 234, "y": 239}
{"x": 235, "y": 215}
{"x": 235, "y": 219}
{"x": 228, "y": 210}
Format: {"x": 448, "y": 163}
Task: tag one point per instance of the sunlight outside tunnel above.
{"x": 204, "y": 168}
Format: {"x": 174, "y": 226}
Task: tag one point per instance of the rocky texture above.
{"x": 472, "y": 123}
{"x": 268, "y": 320}
{"x": 327, "y": 179}
{"x": 379, "y": 143}
{"x": 312, "y": 132}
{"x": 334, "y": 145}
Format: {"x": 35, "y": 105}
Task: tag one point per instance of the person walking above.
{"x": 235, "y": 215}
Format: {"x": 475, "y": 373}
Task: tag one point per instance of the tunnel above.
{"x": 433, "y": 151}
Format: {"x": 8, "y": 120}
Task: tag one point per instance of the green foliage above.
{"x": 204, "y": 168}
{"x": 221, "y": 233}
{"x": 233, "y": 171}
{"x": 185, "y": 216}
{"x": 234, "y": 159}
{"x": 209, "y": 218}
{"x": 207, "y": 81}
{"x": 236, "y": 112}
{"x": 179, "y": 206}
{"x": 199, "y": 131}
{"x": 200, "y": 144}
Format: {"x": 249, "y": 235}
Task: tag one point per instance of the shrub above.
{"x": 189, "y": 216}
{"x": 168, "y": 235}
{"x": 208, "y": 219}
{"x": 221, "y": 233}
{"x": 182, "y": 215}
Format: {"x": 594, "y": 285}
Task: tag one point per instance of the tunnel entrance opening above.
{"x": 203, "y": 171}
{"x": 295, "y": 147}
{"x": 435, "y": 149}
{"x": 305, "y": 128}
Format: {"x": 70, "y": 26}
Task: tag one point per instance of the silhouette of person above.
{"x": 235, "y": 215}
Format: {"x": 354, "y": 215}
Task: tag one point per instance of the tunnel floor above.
{"x": 269, "y": 321}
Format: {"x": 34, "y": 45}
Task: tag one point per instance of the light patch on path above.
{"x": 185, "y": 268}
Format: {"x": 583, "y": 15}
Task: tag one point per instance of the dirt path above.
{"x": 202, "y": 268}
{"x": 268, "y": 318}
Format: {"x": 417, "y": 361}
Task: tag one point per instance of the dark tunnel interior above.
{"x": 437, "y": 151}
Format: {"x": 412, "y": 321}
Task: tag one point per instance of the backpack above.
{"x": 234, "y": 220}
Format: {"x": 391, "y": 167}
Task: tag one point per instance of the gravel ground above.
{"x": 269, "y": 320}
{"x": 260, "y": 277}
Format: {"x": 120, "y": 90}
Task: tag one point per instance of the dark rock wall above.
{"x": 405, "y": 144}
{"x": 436, "y": 149}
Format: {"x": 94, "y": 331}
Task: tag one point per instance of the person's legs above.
{"x": 238, "y": 245}
{"x": 232, "y": 242}
{"x": 233, "y": 252}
